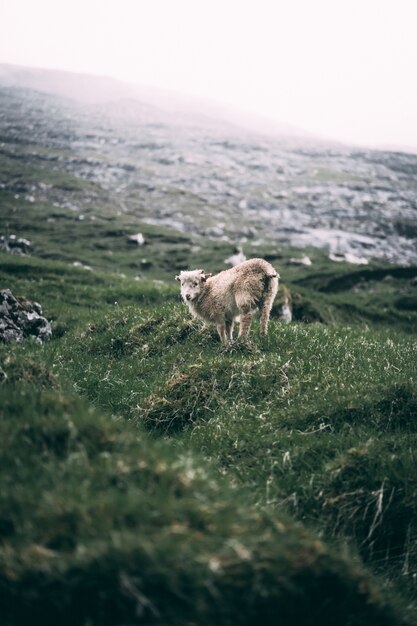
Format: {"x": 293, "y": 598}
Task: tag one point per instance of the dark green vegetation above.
{"x": 149, "y": 476}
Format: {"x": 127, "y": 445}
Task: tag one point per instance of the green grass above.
{"x": 101, "y": 523}
{"x": 304, "y": 398}
{"x": 151, "y": 476}
{"x": 196, "y": 483}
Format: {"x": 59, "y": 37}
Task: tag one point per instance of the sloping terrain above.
{"x": 217, "y": 181}
{"x": 150, "y": 476}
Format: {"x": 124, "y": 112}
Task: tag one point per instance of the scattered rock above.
{"x": 21, "y": 318}
{"x": 250, "y": 232}
{"x": 14, "y": 244}
{"x": 137, "y": 239}
{"x": 214, "y": 231}
{"x": 357, "y": 260}
{"x": 348, "y": 257}
{"x": 338, "y": 257}
{"x": 304, "y": 260}
{"x": 82, "y": 266}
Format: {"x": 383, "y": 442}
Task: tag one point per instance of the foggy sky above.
{"x": 340, "y": 69}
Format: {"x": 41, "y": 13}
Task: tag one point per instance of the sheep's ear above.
{"x": 177, "y": 278}
{"x": 205, "y": 276}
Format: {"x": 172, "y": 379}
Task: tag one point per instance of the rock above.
{"x": 303, "y": 260}
{"x": 15, "y": 245}
{"x": 82, "y": 266}
{"x": 348, "y": 257}
{"x": 214, "y": 231}
{"x": 21, "y": 318}
{"x": 338, "y": 257}
{"x": 354, "y": 258}
{"x": 248, "y": 232}
{"x": 137, "y": 239}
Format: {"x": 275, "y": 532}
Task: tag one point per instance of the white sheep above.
{"x": 233, "y": 293}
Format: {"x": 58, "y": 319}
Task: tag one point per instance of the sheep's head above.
{"x": 192, "y": 284}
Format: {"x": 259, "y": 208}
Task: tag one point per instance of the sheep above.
{"x": 233, "y": 293}
{"x": 237, "y": 257}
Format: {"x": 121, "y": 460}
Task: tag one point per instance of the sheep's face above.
{"x": 192, "y": 284}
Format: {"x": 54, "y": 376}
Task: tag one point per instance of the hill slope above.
{"x": 112, "y": 523}
{"x": 171, "y": 169}
{"x": 150, "y": 476}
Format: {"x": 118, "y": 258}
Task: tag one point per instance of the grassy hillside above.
{"x": 151, "y": 476}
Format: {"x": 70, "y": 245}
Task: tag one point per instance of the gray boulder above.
{"x": 15, "y": 245}
{"x": 21, "y": 318}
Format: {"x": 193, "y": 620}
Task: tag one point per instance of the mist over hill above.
{"x": 169, "y": 163}
{"x": 154, "y": 103}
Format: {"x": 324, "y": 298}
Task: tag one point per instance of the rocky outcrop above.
{"x": 15, "y": 245}
{"x": 21, "y": 318}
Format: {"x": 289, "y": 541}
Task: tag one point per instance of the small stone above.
{"x": 21, "y": 318}
{"x": 137, "y": 239}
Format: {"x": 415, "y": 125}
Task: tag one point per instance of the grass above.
{"x": 102, "y": 523}
{"x": 316, "y": 422}
{"x": 193, "y": 462}
{"x": 151, "y": 476}
{"x": 311, "y": 429}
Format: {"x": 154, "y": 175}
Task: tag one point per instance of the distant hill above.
{"x": 83, "y": 87}
{"x": 200, "y": 173}
{"x": 130, "y": 99}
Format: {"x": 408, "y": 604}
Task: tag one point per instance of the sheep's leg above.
{"x": 221, "y": 329}
{"x": 229, "y": 329}
{"x": 245, "y": 322}
{"x": 266, "y": 310}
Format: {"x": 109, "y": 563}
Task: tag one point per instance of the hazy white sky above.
{"x": 342, "y": 69}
